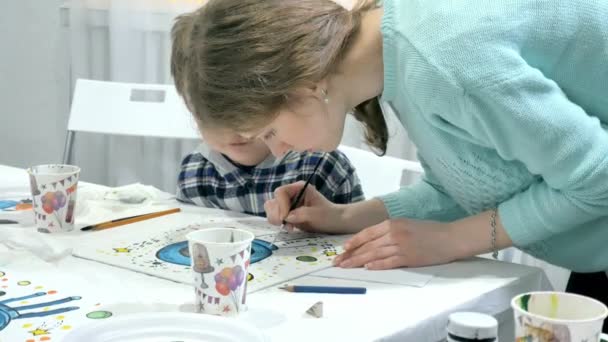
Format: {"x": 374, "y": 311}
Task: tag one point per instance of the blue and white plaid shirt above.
{"x": 209, "y": 179}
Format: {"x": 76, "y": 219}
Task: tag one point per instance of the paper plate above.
{"x": 157, "y": 327}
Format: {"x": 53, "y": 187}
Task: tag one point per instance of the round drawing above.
{"x": 306, "y": 258}
{"x": 99, "y": 314}
{"x": 177, "y": 253}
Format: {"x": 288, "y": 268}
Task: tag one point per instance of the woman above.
{"x": 505, "y": 101}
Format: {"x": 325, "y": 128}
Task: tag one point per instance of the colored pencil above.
{"x": 324, "y": 289}
{"x": 294, "y": 204}
{"x": 128, "y": 220}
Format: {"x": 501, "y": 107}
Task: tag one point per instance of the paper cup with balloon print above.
{"x": 220, "y": 258}
{"x": 54, "y": 196}
{"x": 557, "y": 316}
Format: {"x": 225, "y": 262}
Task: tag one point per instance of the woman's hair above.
{"x": 237, "y": 62}
{"x": 180, "y": 52}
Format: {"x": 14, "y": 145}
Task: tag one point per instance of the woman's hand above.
{"x": 398, "y": 243}
{"x": 315, "y": 213}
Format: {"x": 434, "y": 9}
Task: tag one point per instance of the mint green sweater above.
{"x": 505, "y": 101}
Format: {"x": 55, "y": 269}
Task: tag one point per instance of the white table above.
{"x": 386, "y": 312}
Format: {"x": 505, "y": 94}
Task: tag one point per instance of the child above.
{"x": 240, "y": 174}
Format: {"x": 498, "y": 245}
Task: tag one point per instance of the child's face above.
{"x": 245, "y": 151}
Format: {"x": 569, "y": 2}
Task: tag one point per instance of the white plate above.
{"x": 167, "y": 327}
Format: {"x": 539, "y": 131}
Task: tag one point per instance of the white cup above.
{"x": 557, "y": 316}
{"x": 54, "y": 196}
{"x": 220, "y": 258}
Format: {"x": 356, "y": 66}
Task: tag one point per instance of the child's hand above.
{"x": 314, "y": 213}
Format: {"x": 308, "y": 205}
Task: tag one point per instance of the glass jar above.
{"x": 472, "y": 327}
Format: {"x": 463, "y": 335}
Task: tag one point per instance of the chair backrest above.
{"x": 379, "y": 175}
{"x": 152, "y": 110}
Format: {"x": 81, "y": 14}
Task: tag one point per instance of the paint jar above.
{"x": 472, "y": 327}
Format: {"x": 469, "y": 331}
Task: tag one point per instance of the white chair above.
{"x": 114, "y": 108}
{"x": 379, "y": 175}
{"x": 558, "y": 276}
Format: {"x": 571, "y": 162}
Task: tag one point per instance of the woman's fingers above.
{"x": 367, "y": 234}
{"x": 271, "y": 207}
{"x": 278, "y": 208}
{"x": 390, "y": 262}
{"x": 285, "y": 195}
{"x": 371, "y": 256}
{"x": 381, "y": 241}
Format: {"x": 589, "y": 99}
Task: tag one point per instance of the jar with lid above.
{"x": 472, "y": 327}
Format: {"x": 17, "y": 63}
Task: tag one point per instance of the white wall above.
{"x": 34, "y": 86}
{"x": 35, "y": 78}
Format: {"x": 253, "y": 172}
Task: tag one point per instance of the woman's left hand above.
{"x": 398, "y": 243}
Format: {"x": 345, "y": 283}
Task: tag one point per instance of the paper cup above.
{"x": 220, "y": 258}
{"x": 54, "y": 196}
{"x": 557, "y": 316}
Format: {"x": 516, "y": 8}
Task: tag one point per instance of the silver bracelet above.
{"x": 493, "y": 226}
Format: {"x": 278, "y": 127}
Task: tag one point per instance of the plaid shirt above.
{"x": 209, "y": 179}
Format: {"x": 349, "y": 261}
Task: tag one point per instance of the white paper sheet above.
{"x": 417, "y": 277}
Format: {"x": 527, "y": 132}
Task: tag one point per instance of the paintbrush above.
{"x": 128, "y": 220}
{"x": 294, "y": 204}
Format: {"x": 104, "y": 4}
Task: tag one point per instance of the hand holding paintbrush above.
{"x": 295, "y": 203}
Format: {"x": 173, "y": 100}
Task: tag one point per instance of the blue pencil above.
{"x": 324, "y": 289}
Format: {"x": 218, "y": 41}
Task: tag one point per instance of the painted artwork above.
{"x": 534, "y": 332}
{"x": 35, "y": 311}
{"x": 162, "y": 251}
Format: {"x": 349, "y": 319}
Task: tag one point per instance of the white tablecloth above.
{"x": 386, "y": 312}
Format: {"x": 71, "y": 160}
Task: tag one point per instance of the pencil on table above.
{"x": 324, "y": 289}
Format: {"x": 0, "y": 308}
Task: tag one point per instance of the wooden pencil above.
{"x": 324, "y": 289}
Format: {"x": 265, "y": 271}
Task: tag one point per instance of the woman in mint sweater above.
{"x": 505, "y": 101}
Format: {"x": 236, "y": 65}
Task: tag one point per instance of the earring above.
{"x": 325, "y": 98}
